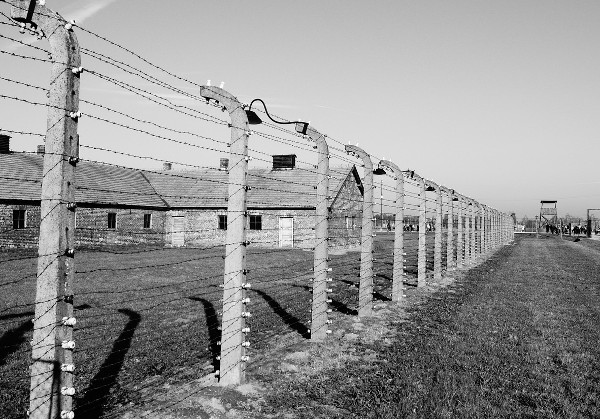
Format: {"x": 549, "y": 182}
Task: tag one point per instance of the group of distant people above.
{"x": 412, "y": 227}
{"x": 574, "y": 229}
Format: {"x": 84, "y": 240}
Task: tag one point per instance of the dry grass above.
{"x": 516, "y": 337}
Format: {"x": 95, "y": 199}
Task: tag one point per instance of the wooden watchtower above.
{"x": 548, "y": 213}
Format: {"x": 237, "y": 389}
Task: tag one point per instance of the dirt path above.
{"x": 516, "y": 336}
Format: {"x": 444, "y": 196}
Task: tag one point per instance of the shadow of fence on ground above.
{"x": 287, "y": 317}
{"x": 96, "y": 395}
{"x": 214, "y": 332}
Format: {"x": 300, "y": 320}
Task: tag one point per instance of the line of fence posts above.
{"x": 52, "y": 386}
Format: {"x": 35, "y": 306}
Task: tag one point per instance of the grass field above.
{"x": 515, "y": 337}
{"x": 149, "y": 317}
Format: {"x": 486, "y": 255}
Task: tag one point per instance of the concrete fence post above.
{"x": 467, "y": 233}
{"x": 473, "y": 231}
{"x": 495, "y": 228}
{"x": 319, "y": 320}
{"x": 233, "y": 325}
{"x": 398, "y": 270}
{"x": 52, "y": 369}
{"x": 481, "y": 229}
{"x": 476, "y": 229}
{"x": 485, "y": 229}
{"x": 450, "y": 258}
{"x": 460, "y": 244}
{"x": 437, "y": 247}
{"x": 365, "y": 293}
{"x": 486, "y": 221}
{"x": 422, "y": 250}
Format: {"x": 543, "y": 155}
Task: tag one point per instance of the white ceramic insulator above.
{"x": 67, "y": 391}
{"x": 67, "y": 367}
{"x": 68, "y": 344}
{"x": 69, "y": 321}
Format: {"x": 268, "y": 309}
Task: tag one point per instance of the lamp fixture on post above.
{"x": 254, "y": 119}
{"x": 379, "y": 171}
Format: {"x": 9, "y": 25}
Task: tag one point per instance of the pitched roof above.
{"x": 291, "y": 188}
{"x": 95, "y": 184}
{"x": 107, "y": 185}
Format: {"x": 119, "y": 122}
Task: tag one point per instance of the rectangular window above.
{"x": 222, "y": 222}
{"x": 147, "y": 220}
{"x": 256, "y": 222}
{"x": 112, "y": 220}
{"x": 19, "y": 217}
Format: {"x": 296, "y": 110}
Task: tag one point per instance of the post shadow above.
{"x": 93, "y": 403}
{"x": 343, "y": 308}
{"x": 377, "y": 295}
{"x": 214, "y": 330}
{"x": 384, "y": 276}
{"x": 288, "y": 318}
{"x": 13, "y": 339}
{"x": 336, "y": 305}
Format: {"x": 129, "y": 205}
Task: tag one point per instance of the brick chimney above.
{"x": 4, "y": 144}
{"x": 167, "y": 166}
{"x": 41, "y": 149}
{"x": 284, "y": 161}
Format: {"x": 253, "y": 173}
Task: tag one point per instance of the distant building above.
{"x": 119, "y": 206}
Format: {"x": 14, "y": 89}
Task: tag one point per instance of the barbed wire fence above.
{"x": 179, "y": 271}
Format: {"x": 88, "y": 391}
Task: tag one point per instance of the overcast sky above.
{"x": 496, "y": 99}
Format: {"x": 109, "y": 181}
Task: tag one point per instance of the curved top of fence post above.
{"x": 432, "y": 186}
{"x": 313, "y": 135}
{"x": 361, "y": 154}
{"x": 450, "y": 192}
{"x": 238, "y": 116}
{"x": 63, "y": 43}
{"x": 386, "y": 164}
{"x": 409, "y": 174}
{"x": 414, "y": 175}
{"x": 461, "y": 198}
